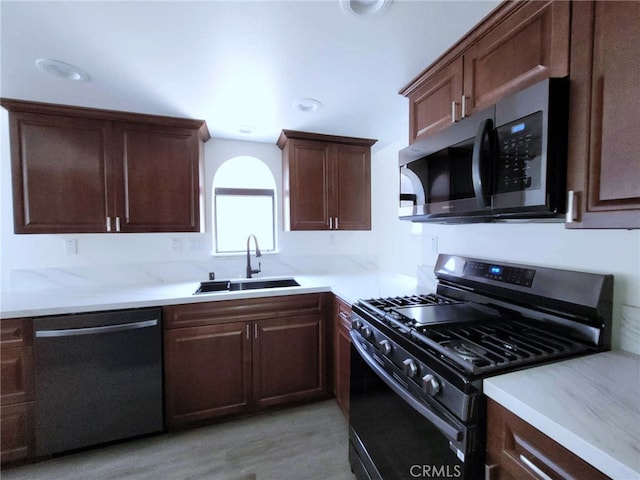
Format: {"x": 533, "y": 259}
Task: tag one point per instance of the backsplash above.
{"x": 629, "y": 329}
{"x": 151, "y": 273}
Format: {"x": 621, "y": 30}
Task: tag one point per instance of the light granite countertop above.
{"x": 590, "y": 405}
{"x": 57, "y": 301}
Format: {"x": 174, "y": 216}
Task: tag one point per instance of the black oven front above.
{"x": 394, "y": 435}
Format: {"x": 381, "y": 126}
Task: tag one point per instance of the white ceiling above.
{"x": 234, "y": 63}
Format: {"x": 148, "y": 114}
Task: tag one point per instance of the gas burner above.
{"x": 466, "y": 351}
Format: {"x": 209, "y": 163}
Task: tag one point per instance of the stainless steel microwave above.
{"x": 508, "y": 161}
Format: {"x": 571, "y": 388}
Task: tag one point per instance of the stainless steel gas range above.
{"x": 417, "y": 362}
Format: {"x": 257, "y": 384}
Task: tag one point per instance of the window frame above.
{"x": 244, "y": 192}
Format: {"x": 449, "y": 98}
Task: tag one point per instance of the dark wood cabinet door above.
{"x": 288, "y": 359}
{"x": 326, "y": 181}
{"x": 17, "y": 427}
{"x": 17, "y": 381}
{"x": 17, "y": 375}
{"x": 604, "y": 152}
{"x": 60, "y": 173}
{"x": 341, "y": 354}
{"x": 308, "y": 164}
{"x": 352, "y": 187}
{"x": 157, "y": 173}
{"x": 436, "y": 104}
{"x": 207, "y": 372}
{"x": 516, "y": 450}
{"x": 529, "y": 45}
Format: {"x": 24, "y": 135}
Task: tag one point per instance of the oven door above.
{"x": 393, "y": 435}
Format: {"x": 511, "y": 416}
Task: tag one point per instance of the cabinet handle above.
{"x": 464, "y": 106}
{"x": 453, "y": 112}
{"x": 117, "y": 224}
{"x": 330, "y": 223}
{"x": 248, "y": 332}
{"x": 255, "y": 330}
{"x": 572, "y": 201}
{"x": 108, "y": 224}
{"x": 534, "y": 468}
{"x": 491, "y": 471}
{"x": 336, "y": 223}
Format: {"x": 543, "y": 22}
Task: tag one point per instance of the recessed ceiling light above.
{"x": 362, "y": 8}
{"x": 62, "y": 70}
{"x": 246, "y": 129}
{"x": 308, "y": 105}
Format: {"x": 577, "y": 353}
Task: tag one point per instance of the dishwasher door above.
{"x": 98, "y": 378}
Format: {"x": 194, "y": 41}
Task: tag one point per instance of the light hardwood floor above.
{"x": 300, "y": 443}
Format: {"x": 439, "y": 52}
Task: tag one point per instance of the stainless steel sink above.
{"x": 256, "y": 284}
{"x": 248, "y": 284}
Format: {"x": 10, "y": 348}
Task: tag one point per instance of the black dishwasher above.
{"x": 98, "y": 378}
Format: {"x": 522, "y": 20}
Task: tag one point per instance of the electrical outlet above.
{"x": 176, "y": 245}
{"x": 212, "y": 275}
{"x": 195, "y": 244}
{"x": 71, "y": 246}
{"x": 433, "y": 244}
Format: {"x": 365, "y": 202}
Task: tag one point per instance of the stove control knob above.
{"x": 409, "y": 367}
{"x": 356, "y": 324}
{"x": 430, "y": 385}
{"x": 385, "y": 346}
{"x": 368, "y": 334}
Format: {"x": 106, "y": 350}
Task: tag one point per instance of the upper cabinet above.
{"x": 604, "y": 152}
{"x": 78, "y": 170}
{"x": 517, "y": 45}
{"x": 327, "y": 181}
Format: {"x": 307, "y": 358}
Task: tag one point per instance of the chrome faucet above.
{"x": 250, "y": 270}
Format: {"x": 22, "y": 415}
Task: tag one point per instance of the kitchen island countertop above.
{"x": 589, "y": 405}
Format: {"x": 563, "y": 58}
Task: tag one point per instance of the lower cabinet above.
{"x": 288, "y": 360}
{"x": 341, "y": 353}
{"x": 516, "y": 450}
{"x": 17, "y": 394}
{"x": 207, "y": 372}
{"x": 238, "y": 356}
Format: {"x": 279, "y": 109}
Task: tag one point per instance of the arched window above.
{"x": 244, "y": 204}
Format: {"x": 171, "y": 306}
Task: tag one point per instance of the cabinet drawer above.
{"x": 16, "y": 333}
{"x": 210, "y": 313}
{"x": 515, "y": 449}
{"x": 343, "y": 313}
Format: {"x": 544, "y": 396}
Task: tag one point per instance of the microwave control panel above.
{"x": 519, "y": 165}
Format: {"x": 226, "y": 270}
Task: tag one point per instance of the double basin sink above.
{"x": 245, "y": 284}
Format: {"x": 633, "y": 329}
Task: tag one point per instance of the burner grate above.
{"x": 407, "y": 301}
{"x": 488, "y": 346}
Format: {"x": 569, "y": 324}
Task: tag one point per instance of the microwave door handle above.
{"x": 480, "y": 187}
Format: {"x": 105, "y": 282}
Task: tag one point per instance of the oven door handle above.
{"x": 453, "y": 434}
